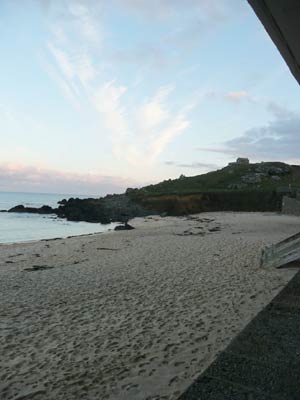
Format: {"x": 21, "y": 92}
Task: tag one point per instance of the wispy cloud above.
{"x": 199, "y": 165}
{"x": 139, "y": 129}
{"x": 168, "y": 8}
{"x": 86, "y": 23}
{"x": 76, "y": 67}
{"x": 193, "y": 165}
{"x": 154, "y": 112}
{"x": 107, "y": 101}
{"x": 151, "y": 55}
{"x": 63, "y": 61}
{"x": 177, "y": 125}
{"x": 221, "y": 148}
{"x": 74, "y": 35}
{"x": 139, "y": 135}
{"x": 197, "y": 19}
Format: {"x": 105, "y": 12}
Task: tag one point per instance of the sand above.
{"x": 133, "y": 314}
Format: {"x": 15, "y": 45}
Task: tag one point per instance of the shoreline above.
{"x": 27, "y": 228}
{"x": 56, "y": 238}
{"x": 136, "y": 314}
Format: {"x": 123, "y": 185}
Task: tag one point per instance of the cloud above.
{"x": 278, "y": 111}
{"x": 168, "y": 8}
{"x": 88, "y": 27}
{"x": 65, "y": 87}
{"x": 107, "y": 101}
{"x": 147, "y": 54}
{"x": 278, "y": 139}
{"x": 75, "y": 35}
{"x": 63, "y": 61}
{"x": 73, "y": 67}
{"x": 175, "y": 128}
{"x": 198, "y": 165}
{"x": 238, "y": 96}
{"x": 186, "y": 24}
{"x": 219, "y": 149}
{"x": 193, "y": 165}
{"x": 139, "y": 129}
{"x": 153, "y": 112}
{"x": 141, "y": 134}
{"x": 17, "y": 177}
{"x": 83, "y": 14}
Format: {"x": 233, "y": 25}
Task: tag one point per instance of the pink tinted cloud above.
{"x": 17, "y": 177}
{"x": 237, "y": 96}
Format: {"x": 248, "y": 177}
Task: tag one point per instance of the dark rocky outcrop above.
{"x": 33, "y": 210}
{"x": 125, "y": 227}
{"x": 111, "y": 208}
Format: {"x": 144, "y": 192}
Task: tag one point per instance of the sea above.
{"x": 24, "y": 227}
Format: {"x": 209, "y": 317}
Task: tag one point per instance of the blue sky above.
{"x": 96, "y": 96}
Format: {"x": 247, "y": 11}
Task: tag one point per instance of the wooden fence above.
{"x": 281, "y": 253}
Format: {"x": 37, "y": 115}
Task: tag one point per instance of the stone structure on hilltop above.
{"x": 243, "y": 161}
{"x": 240, "y": 161}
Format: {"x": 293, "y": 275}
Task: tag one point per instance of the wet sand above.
{"x": 133, "y": 314}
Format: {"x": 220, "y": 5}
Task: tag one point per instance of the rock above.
{"x": 163, "y": 214}
{"x": 89, "y": 210}
{"x": 130, "y": 191}
{"x": 32, "y": 210}
{"x": 111, "y": 208}
{"x": 19, "y": 208}
{"x": 271, "y": 169}
{"x": 255, "y": 177}
{"x": 124, "y": 227}
{"x": 237, "y": 186}
{"x": 63, "y": 202}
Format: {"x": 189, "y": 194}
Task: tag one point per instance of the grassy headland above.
{"x": 236, "y": 187}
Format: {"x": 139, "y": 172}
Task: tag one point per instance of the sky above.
{"x": 97, "y": 96}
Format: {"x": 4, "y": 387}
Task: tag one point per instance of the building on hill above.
{"x": 240, "y": 161}
{"x": 243, "y": 161}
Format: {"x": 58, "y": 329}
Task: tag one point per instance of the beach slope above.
{"x": 135, "y": 314}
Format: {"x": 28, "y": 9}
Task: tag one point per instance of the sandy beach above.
{"x": 133, "y": 314}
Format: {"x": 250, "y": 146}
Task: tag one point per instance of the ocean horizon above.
{"x": 24, "y": 227}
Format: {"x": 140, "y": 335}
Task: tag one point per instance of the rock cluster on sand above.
{"x": 125, "y": 227}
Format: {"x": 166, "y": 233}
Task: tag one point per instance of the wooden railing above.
{"x": 281, "y": 253}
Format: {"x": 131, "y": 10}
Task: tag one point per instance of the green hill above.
{"x": 238, "y": 187}
{"x": 265, "y": 176}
